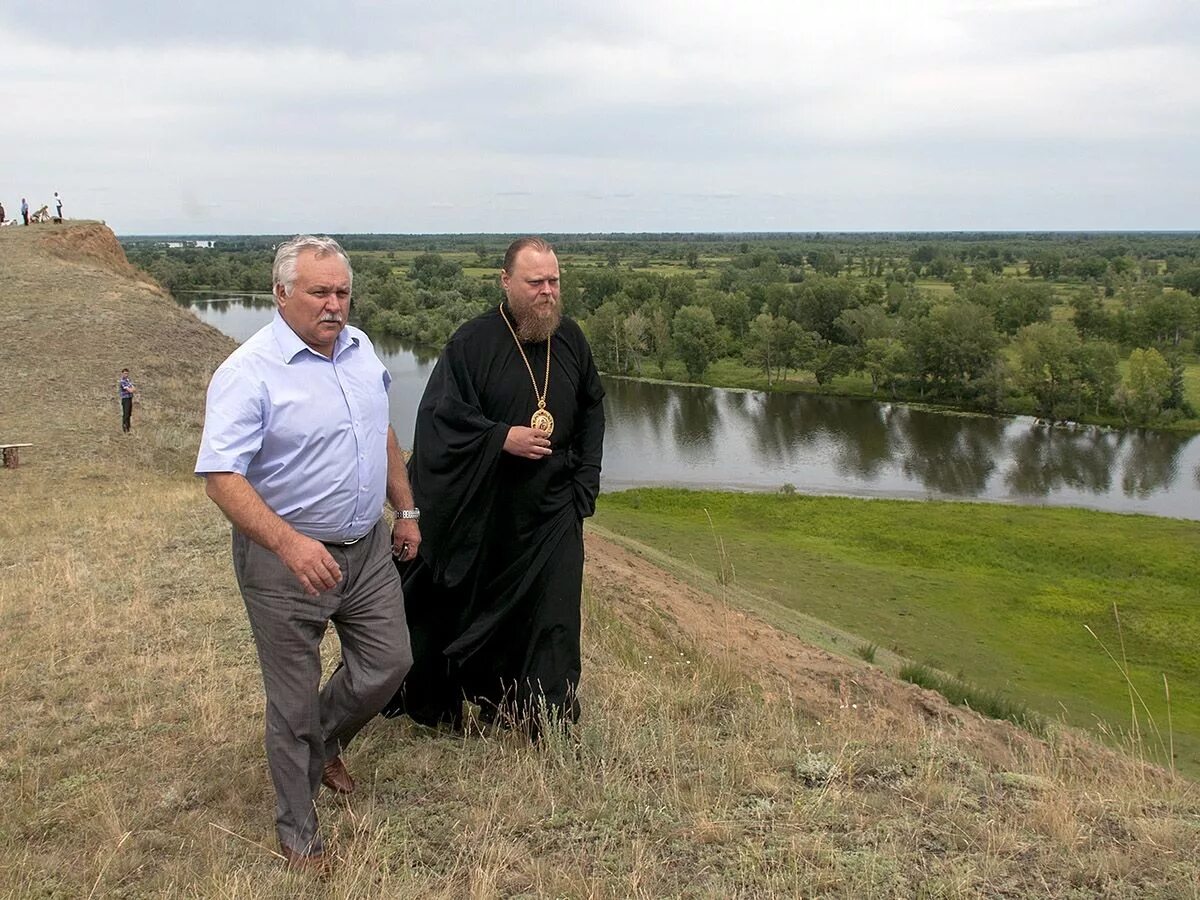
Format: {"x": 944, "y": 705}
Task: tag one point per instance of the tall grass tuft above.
{"x": 961, "y": 693}
{"x": 1137, "y": 705}
{"x": 866, "y": 652}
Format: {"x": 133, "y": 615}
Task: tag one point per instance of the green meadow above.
{"x": 1021, "y": 602}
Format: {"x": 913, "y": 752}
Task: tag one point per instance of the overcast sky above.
{"x": 260, "y": 116}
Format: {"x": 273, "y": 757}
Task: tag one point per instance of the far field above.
{"x": 1041, "y": 323}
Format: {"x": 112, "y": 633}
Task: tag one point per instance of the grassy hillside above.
{"x": 718, "y": 757}
{"x": 1003, "y": 595}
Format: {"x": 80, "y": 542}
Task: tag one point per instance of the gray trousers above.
{"x": 308, "y": 724}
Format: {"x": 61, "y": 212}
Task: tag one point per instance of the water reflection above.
{"x": 1046, "y": 459}
{"x": 864, "y": 440}
{"x": 954, "y": 455}
{"x": 701, "y": 437}
{"x": 1152, "y": 463}
{"x": 828, "y": 444}
{"x": 635, "y": 405}
{"x": 694, "y": 420}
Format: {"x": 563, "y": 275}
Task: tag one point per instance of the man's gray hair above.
{"x": 283, "y": 272}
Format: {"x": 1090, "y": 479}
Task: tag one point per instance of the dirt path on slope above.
{"x": 823, "y": 683}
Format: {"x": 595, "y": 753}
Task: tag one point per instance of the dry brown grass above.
{"x": 131, "y": 757}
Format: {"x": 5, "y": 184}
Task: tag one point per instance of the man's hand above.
{"x": 311, "y": 563}
{"x": 406, "y": 539}
{"x": 528, "y": 443}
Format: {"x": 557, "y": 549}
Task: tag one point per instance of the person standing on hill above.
{"x": 298, "y": 454}
{"x": 509, "y": 437}
{"x": 25, "y": 210}
{"x": 126, "y": 388}
{"x": 58, "y": 206}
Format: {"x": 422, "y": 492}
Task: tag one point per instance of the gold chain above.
{"x": 541, "y": 398}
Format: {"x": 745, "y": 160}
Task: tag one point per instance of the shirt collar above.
{"x": 290, "y": 345}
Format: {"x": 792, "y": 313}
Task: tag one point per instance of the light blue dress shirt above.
{"x": 308, "y": 433}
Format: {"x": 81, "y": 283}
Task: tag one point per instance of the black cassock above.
{"x": 493, "y": 599}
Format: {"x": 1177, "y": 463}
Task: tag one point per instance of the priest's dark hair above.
{"x": 541, "y": 245}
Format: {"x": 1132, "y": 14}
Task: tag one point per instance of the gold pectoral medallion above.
{"x": 542, "y": 421}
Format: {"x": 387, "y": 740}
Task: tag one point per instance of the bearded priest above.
{"x": 505, "y": 468}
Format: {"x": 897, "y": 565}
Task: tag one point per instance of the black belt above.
{"x": 343, "y": 543}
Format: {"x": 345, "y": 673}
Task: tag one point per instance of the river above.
{"x": 701, "y": 437}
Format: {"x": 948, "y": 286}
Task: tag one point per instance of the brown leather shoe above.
{"x": 316, "y": 864}
{"x": 336, "y": 778}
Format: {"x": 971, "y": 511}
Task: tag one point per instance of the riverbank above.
{"x": 733, "y": 375}
{"x": 718, "y": 756}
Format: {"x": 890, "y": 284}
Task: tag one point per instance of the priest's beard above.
{"x": 533, "y": 328}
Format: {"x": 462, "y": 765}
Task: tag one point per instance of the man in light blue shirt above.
{"x": 298, "y": 454}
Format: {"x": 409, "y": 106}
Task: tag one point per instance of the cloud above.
{"x": 633, "y": 116}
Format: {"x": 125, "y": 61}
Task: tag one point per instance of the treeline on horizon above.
{"x": 1096, "y": 326}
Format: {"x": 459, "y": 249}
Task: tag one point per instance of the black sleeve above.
{"x": 456, "y": 451}
{"x": 589, "y": 440}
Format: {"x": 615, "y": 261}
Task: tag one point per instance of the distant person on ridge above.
{"x": 58, "y": 206}
{"x": 126, "y": 388}
{"x": 298, "y": 454}
{"x": 25, "y": 210}
{"x": 509, "y": 437}
{"x": 1, "y": 213}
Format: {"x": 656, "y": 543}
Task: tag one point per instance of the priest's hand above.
{"x": 528, "y": 443}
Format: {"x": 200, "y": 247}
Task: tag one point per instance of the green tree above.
{"x": 1099, "y": 375}
{"x": 831, "y": 360}
{"x": 1188, "y": 280}
{"x": 954, "y": 347}
{"x": 1045, "y": 264}
{"x": 429, "y": 270}
{"x": 862, "y": 323}
{"x": 1091, "y": 318}
{"x": 762, "y": 347}
{"x": 681, "y": 291}
{"x": 694, "y": 330}
{"x": 731, "y": 311}
{"x": 637, "y": 340}
{"x": 659, "y": 336}
{"x": 1164, "y": 318}
{"x": 598, "y": 286}
{"x": 1146, "y": 387}
{"x": 826, "y": 262}
{"x": 1047, "y": 366}
{"x": 798, "y": 348}
{"x": 887, "y": 362}
{"x": 606, "y": 334}
{"x": 1014, "y": 304}
{"x": 645, "y": 287}
{"x": 819, "y": 301}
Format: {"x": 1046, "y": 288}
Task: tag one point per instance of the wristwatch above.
{"x": 413, "y": 514}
